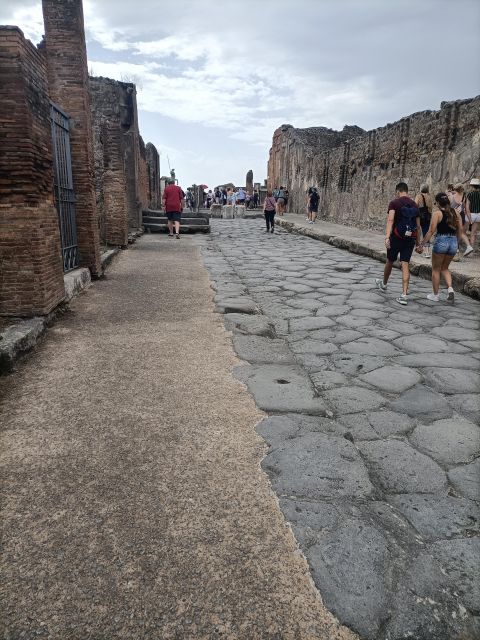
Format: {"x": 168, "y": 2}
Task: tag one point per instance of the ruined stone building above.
{"x": 74, "y": 170}
{"x": 356, "y": 171}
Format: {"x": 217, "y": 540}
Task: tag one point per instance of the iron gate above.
{"x": 63, "y": 186}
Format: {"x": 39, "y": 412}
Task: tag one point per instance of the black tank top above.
{"x": 443, "y": 228}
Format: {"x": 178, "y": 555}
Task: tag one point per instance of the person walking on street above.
{"x": 447, "y": 224}
{"x": 312, "y": 205}
{"x": 402, "y": 234}
{"x": 286, "y": 196}
{"x": 280, "y": 201}
{"x": 269, "y": 207}
{"x": 424, "y": 202}
{"x": 174, "y": 201}
{"x": 473, "y": 210}
{"x": 458, "y": 201}
{"x": 241, "y": 195}
{"x": 255, "y": 199}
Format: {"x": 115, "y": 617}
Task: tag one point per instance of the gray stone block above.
{"x": 439, "y": 517}
{"x": 318, "y": 347}
{"x": 448, "y": 380}
{"x": 421, "y": 344}
{"x": 258, "y": 349}
{"x": 392, "y": 379}
{"x": 350, "y": 567}
{"x": 437, "y": 360}
{"x": 423, "y": 403}
{"x": 281, "y": 388}
{"x": 249, "y": 324}
{"x": 353, "y": 399}
{"x": 466, "y": 480}
{"x": 370, "y": 347}
{"x": 354, "y": 364}
{"x": 316, "y": 466}
{"x": 449, "y": 441}
{"x": 467, "y": 404}
{"x": 237, "y": 305}
{"x": 389, "y": 423}
{"x": 399, "y": 468}
{"x": 310, "y": 323}
{"x": 324, "y": 380}
{"x": 460, "y": 560}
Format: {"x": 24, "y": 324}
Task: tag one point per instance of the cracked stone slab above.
{"x": 423, "y": 403}
{"x": 370, "y": 347}
{"x": 439, "y": 517}
{"x": 437, "y": 360}
{"x": 389, "y": 423}
{"x": 455, "y": 333}
{"x": 467, "y": 404}
{"x": 318, "y": 347}
{"x": 281, "y": 388}
{"x": 237, "y": 305}
{"x": 459, "y": 558}
{"x": 316, "y": 466}
{"x": 324, "y": 380}
{"x": 466, "y": 480}
{"x": 421, "y": 344}
{"x": 350, "y": 567}
{"x": 309, "y": 323}
{"x": 355, "y": 364}
{"x": 357, "y": 427}
{"x": 278, "y": 428}
{"x": 392, "y": 379}
{"x": 399, "y": 468}
{"x": 353, "y": 399}
{"x": 449, "y": 380}
{"x": 250, "y": 324}
{"x": 450, "y": 441}
{"x": 258, "y": 349}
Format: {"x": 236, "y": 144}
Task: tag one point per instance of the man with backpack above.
{"x": 401, "y": 237}
{"x": 312, "y": 204}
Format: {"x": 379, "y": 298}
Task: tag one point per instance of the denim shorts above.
{"x": 446, "y": 245}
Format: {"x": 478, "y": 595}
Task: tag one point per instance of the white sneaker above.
{"x": 379, "y": 284}
{"x": 402, "y": 299}
{"x": 433, "y": 297}
{"x": 451, "y": 295}
{"x": 467, "y": 251}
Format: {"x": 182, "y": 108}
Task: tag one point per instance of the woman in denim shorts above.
{"x": 447, "y": 224}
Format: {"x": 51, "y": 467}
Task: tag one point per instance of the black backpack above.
{"x": 406, "y": 222}
{"x": 314, "y": 198}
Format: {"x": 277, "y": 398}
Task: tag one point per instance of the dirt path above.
{"x": 133, "y": 501}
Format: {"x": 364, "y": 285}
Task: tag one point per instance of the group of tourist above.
{"x": 411, "y": 224}
{"x": 231, "y": 196}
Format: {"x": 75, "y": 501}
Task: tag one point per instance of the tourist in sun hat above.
{"x": 472, "y": 210}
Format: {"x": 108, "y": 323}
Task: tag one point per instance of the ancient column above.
{"x": 249, "y": 181}
{"x": 66, "y": 57}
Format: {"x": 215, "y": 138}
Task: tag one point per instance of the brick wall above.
{"x": 31, "y": 269}
{"x": 66, "y": 57}
{"x": 356, "y": 171}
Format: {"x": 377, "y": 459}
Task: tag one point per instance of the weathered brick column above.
{"x": 66, "y": 56}
{"x": 31, "y": 268}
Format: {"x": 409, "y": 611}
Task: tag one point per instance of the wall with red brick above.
{"x": 356, "y": 171}
{"x": 31, "y": 268}
{"x": 66, "y": 57}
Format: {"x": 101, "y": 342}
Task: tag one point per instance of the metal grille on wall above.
{"x": 63, "y": 184}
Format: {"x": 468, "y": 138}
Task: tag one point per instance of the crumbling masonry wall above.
{"x": 356, "y": 171}
{"x": 31, "y": 269}
{"x": 154, "y": 200}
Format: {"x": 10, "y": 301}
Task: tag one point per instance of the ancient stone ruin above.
{"x": 356, "y": 171}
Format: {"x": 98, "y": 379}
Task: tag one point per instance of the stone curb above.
{"x": 22, "y": 336}
{"x": 465, "y": 284}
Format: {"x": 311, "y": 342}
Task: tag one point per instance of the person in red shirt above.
{"x": 173, "y": 201}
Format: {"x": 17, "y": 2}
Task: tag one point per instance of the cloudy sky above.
{"x": 216, "y": 77}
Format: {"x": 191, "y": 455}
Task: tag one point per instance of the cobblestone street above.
{"x": 372, "y": 426}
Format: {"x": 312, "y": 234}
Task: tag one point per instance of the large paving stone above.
{"x": 296, "y": 287}
{"x": 237, "y": 305}
{"x": 448, "y": 380}
{"x": 317, "y": 466}
{"x": 405, "y": 328}
{"x": 353, "y": 399}
{"x": 350, "y": 566}
{"x": 354, "y": 364}
{"x": 460, "y": 560}
{"x": 449, "y": 441}
{"x": 439, "y": 517}
{"x": 389, "y": 423}
{"x": 309, "y": 518}
{"x": 421, "y": 344}
{"x": 318, "y": 347}
{"x": 258, "y": 349}
{"x": 423, "y": 403}
{"x": 425, "y": 607}
{"x": 324, "y": 380}
{"x": 467, "y": 404}
{"x": 456, "y": 334}
{"x": 276, "y": 429}
{"x": 370, "y": 347}
{"x": 358, "y": 427}
{"x": 281, "y": 388}
{"x": 333, "y": 310}
{"x": 307, "y": 324}
{"x": 466, "y": 480}
{"x": 392, "y": 379}
{"x": 437, "y": 360}
{"x": 352, "y": 322}
{"x": 374, "y": 314}
{"x": 250, "y": 324}
{"x": 399, "y": 468}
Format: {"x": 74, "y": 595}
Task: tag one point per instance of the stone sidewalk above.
{"x": 466, "y": 273}
{"x": 133, "y": 502}
{"x": 373, "y": 429}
